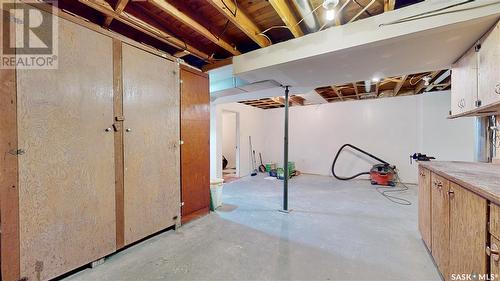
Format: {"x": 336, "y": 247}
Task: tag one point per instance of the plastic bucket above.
{"x": 216, "y": 186}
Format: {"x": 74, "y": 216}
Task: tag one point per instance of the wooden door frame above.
{"x": 237, "y": 139}
{"x": 10, "y": 268}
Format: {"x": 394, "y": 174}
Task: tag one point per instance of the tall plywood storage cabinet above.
{"x": 90, "y": 153}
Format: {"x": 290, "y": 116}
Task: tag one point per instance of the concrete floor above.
{"x": 336, "y": 231}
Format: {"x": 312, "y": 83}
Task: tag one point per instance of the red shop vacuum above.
{"x": 380, "y": 174}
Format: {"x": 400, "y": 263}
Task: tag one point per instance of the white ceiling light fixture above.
{"x": 329, "y": 6}
{"x": 375, "y": 79}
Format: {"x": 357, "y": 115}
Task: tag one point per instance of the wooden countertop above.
{"x": 480, "y": 178}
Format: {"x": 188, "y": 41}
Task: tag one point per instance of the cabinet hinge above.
{"x": 478, "y": 103}
{"x": 477, "y": 47}
{"x": 120, "y": 118}
{"x": 182, "y": 204}
{"x": 181, "y": 142}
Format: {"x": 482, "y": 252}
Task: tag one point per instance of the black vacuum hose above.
{"x": 357, "y": 175}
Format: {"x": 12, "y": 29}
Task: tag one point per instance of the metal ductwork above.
{"x": 306, "y": 12}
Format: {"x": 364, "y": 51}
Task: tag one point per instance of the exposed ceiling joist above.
{"x": 119, "y": 8}
{"x": 242, "y": 21}
{"x": 399, "y": 85}
{"x": 389, "y": 5}
{"x": 217, "y": 64}
{"x": 297, "y": 100}
{"x": 284, "y": 11}
{"x": 356, "y": 90}
{"x": 181, "y": 54}
{"x": 142, "y": 26}
{"x": 338, "y": 13}
{"x": 337, "y": 92}
{"x": 185, "y": 19}
{"x": 377, "y": 88}
{"x": 421, "y": 85}
{"x": 362, "y": 11}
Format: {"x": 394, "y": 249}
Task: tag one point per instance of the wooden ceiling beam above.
{"x": 119, "y": 8}
{"x": 362, "y": 11}
{"x": 297, "y": 100}
{"x": 285, "y": 12}
{"x": 144, "y": 27}
{"x": 356, "y": 90}
{"x": 389, "y": 5}
{"x": 217, "y": 64}
{"x": 421, "y": 85}
{"x": 337, "y": 92}
{"x": 320, "y": 93}
{"x": 241, "y": 20}
{"x": 399, "y": 85}
{"x": 185, "y": 19}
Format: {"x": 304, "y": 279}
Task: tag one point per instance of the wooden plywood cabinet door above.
{"x": 424, "y": 206}
{"x": 66, "y": 174}
{"x": 195, "y": 152}
{"x": 468, "y": 232}
{"x": 493, "y": 251}
{"x": 151, "y": 141}
{"x": 489, "y": 67}
{"x": 464, "y": 83}
{"x": 440, "y": 212}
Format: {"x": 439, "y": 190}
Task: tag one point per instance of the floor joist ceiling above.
{"x": 207, "y": 33}
{"x": 403, "y": 85}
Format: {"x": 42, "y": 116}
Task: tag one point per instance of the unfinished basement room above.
{"x": 348, "y": 140}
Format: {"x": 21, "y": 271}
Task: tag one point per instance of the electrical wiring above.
{"x": 286, "y": 27}
{"x": 393, "y": 198}
{"x": 235, "y": 7}
{"x": 418, "y": 80}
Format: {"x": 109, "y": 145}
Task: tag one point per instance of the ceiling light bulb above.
{"x": 375, "y": 79}
{"x": 330, "y": 15}
{"x": 330, "y": 4}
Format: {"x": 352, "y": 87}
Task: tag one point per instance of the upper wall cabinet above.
{"x": 464, "y": 79}
{"x": 475, "y": 79}
{"x": 489, "y": 67}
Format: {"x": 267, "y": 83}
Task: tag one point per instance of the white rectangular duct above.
{"x": 378, "y": 46}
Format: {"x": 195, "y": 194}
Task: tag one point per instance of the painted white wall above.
{"x": 446, "y": 139}
{"x": 390, "y": 128}
{"x": 252, "y": 123}
{"x": 229, "y": 137}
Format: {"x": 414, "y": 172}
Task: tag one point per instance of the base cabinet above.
{"x": 440, "y": 222}
{"x": 424, "y": 206}
{"x": 468, "y": 233}
{"x": 457, "y": 221}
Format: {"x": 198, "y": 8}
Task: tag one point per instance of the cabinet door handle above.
{"x": 451, "y": 193}
{"x": 493, "y": 251}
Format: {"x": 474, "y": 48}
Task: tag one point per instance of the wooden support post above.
{"x": 119, "y": 152}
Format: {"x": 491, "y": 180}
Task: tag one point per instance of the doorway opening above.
{"x": 230, "y": 146}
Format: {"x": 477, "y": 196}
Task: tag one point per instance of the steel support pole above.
{"x": 285, "y": 153}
